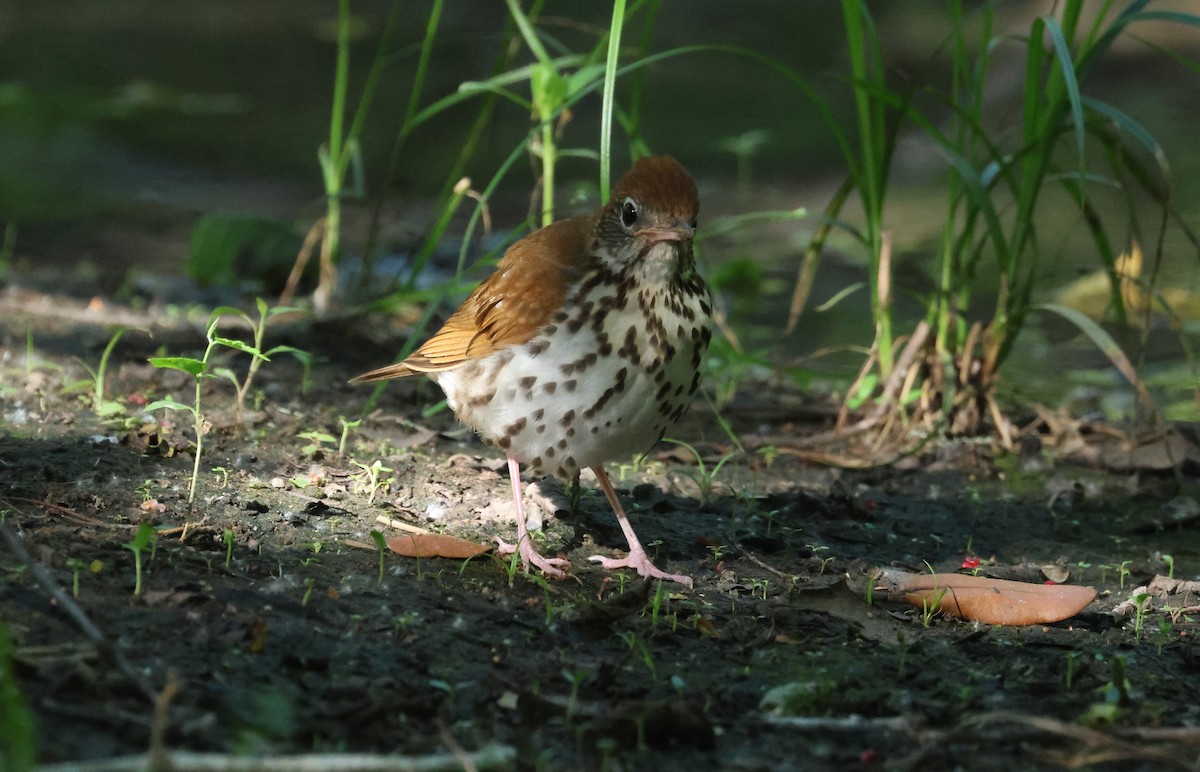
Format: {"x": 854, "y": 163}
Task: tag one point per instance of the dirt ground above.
{"x": 272, "y": 629}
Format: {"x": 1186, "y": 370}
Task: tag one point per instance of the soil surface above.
{"x": 266, "y": 623}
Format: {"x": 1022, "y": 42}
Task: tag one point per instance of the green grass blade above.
{"x": 528, "y": 33}
{"x": 610, "y": 87}
{"x": 1107, "y": 346}
{"x": 1066, "y": 66}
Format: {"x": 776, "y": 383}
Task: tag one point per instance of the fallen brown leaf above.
{"x": 435, "y": 545}
{"x": 987, "y": 600}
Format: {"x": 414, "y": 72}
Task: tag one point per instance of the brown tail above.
{"x": 398, "y": 370}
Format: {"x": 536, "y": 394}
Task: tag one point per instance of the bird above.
{"x": 583, "y": 346}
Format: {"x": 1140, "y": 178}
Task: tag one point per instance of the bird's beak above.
{"x": 675, "y": 232}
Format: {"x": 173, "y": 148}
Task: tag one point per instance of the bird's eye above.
{"x": 629, "y": 213}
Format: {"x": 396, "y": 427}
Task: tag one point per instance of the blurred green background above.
{"x": 123, "y": 123}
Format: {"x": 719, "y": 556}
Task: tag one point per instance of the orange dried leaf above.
{"x": 435, "y": 545}
{"x": 994, "y": 601}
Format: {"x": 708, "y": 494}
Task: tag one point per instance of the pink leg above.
{"x": 637, "y": 558}
{"x": 529, "y": 555}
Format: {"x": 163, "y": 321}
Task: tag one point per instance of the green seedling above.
{"x": 929, "y": 608}
{"x": 817, "y": 549}
{"x": 370, "y": 478}
{"x": 1164, "y": 634}
{"x": 145, "y": 489}
{"x": 222, "y": 474}
{"x": 744, "y": 147}
{"x": 768, "y": 453}
{"x": 77, "y": 566}
{"x": 227, "y": 535}
{"x": 656, "y": 604}
{"x": 316, "y": 441}
{"x": 1070, "y": 674}
{"x": 1170, "y": 561}
{"x": 258, "y": 328}
{"x": 1141, "y": 604}
{"x": 144, "y": 537}
{"x": 347, "y": 425}
{"x": 1123, "y": 572}
{"x": 575, "y": 678}
{"x": 202, "y": 368}
{"x": 105, "y": 408}
{"x": 704, "y": 478}
{"x": 309, "y": 583}
{"x": 381, "y": 545}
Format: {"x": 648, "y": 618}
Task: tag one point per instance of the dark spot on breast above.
{"x": 527, "y": 382}
{"x": 570, "y": 385}
{"x": 568, "y": 368}
{"x": 504, "y": 442}
{"x": 567, "y": 418}
{"x": 562, "y": 444}
{"x": 537, "y": 414}
{"x": 549, "y": 387}
{"x": 604, "y": 398}
{"x": 479, "y": 400}
{"x": 537, "y": 346}
{"x": 549, "y": 453}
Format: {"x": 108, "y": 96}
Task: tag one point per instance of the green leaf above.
{"x": 227, "y": 374}
{"x": 108, "y": 408}
{"x": 220, "y": 311}
{"x": 300, "y": 354}
{"x": 1067, "y": 67}
{"x": 583, "y": 77}
{"x": 549, "y": 90}
{"x": 191, "y": 366}
{"x": 839, "y": 296}
{"x": 239, "y": 346}
{"x": 169, "y": 404}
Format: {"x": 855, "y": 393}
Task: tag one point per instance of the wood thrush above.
{"x": 584, "y": 346}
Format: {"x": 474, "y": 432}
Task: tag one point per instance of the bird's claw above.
{"x": 530, "y": 556}
{"x": 640, "y": 562}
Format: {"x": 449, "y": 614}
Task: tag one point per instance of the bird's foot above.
{"x": 639, "y": 561}
{"x": 530, "y": 556}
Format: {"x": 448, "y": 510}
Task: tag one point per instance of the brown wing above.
{"x": 510, "y": 306}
